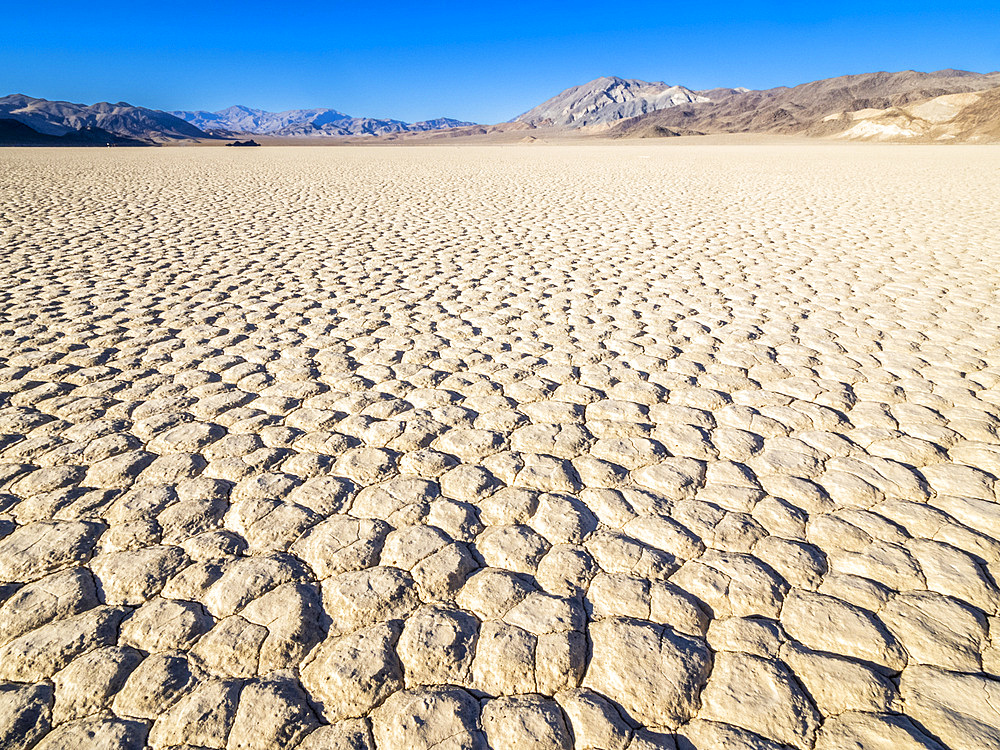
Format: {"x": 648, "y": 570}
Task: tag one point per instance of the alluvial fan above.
{"x": 604, "y": 446}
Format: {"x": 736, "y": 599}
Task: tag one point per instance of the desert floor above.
{"x": 623, "y": 446}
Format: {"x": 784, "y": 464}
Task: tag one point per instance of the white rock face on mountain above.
{"x": 606, "y": 100}
{"x": 968, "y": 116}
{"x": 306, "y": 122}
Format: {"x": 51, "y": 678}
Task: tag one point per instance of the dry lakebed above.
{"x": 594, "y": 446}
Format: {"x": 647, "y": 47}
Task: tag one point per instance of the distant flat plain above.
{"x": 622, "y": 445}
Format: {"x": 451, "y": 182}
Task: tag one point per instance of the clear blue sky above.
{"x": 478, "y": 61}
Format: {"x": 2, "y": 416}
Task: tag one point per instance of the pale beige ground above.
{"x": 628, "y": 446}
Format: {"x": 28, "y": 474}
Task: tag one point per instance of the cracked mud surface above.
{"x": 619, "y": 447}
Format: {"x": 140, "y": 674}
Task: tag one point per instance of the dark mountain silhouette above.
{"x": 16, "y": 133}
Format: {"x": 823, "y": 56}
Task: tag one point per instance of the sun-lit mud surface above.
{"x": 536, "y": 447}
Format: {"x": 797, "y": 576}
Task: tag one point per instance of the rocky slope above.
{"x": 306, "y": 122}
{"x": 812, "y": 108}
{"x": 122, "y": 119}
{"x": 971, "y": 117}
{"x": 607, "y": 100}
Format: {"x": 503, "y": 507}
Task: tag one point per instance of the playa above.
{"x": 622, "y": 446}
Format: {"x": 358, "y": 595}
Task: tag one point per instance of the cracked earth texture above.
{"x": 620, "y": 447}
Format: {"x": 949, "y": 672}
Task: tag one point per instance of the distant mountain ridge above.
{"x": 608, "y": 99}
{"x": 59, "y": 118}
{"x": 305, "y": 122}
{"x": 122, "y": 119}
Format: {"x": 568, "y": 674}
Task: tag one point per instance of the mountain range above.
{"x": 830, "y": 107}
{"x": 945, "y": 105}
{"x": 150, "y": 126}
{"x": 59, "y": 118}
{"x": 305, "y": 122}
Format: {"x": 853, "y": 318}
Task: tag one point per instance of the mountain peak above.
{"x": 239, "y": 108}
{"x": 606, "y": 100}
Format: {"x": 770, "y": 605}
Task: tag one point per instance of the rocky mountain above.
{"x": 608, "y": 100}
{"x": 122, "y": 119}
{"x": 814, "y": 108}
{"x": 305, "y": 122}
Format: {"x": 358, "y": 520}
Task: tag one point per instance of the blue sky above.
{"x": 478, "y": 61}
